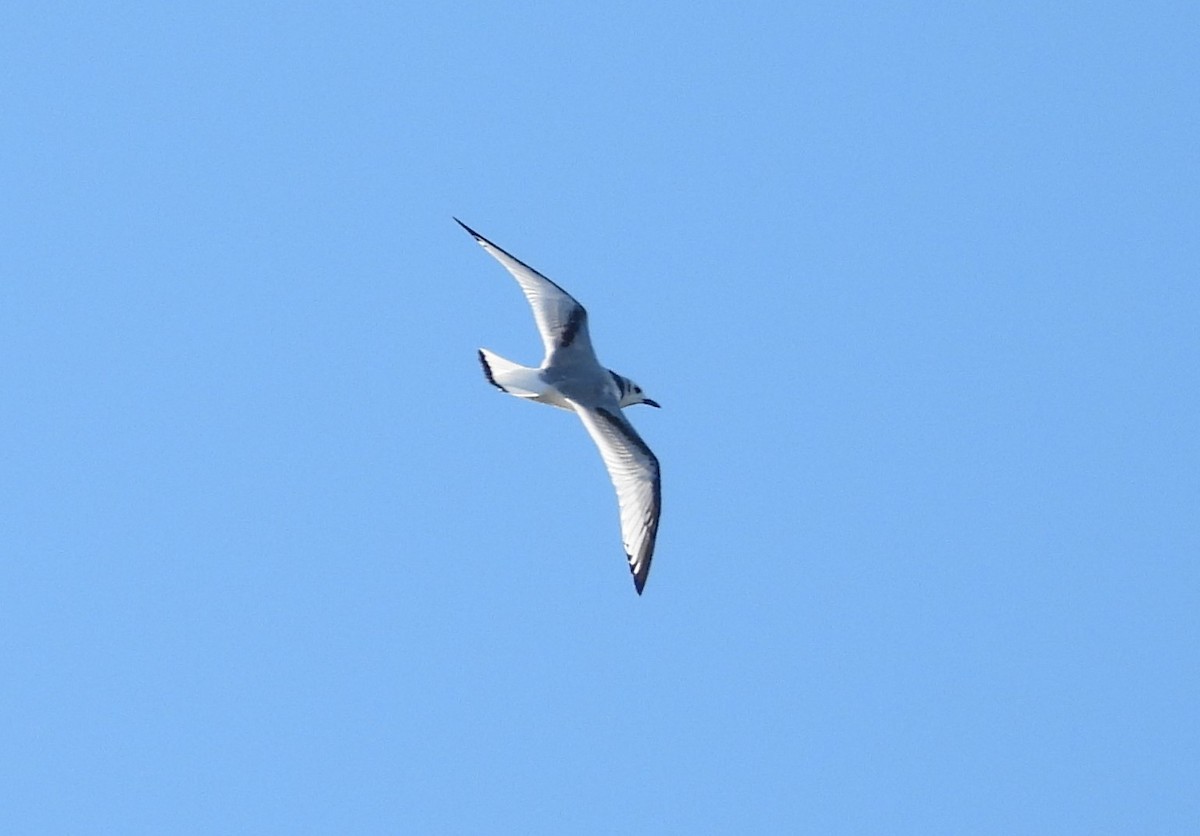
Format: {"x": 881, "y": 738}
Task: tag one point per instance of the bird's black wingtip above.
{"x": 472, "y": 232}
{"x": 639, "y": 578}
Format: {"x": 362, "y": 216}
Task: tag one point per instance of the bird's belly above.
{"x": 552, "y": 396}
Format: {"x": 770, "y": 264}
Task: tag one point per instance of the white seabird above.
{"x": 571, "y": 377}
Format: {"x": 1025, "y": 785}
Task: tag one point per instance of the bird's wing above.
{"x": 635, "y": 475}
{"x": 561, "y": 320}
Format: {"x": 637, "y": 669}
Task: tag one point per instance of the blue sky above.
{"x": 917, "y": 287}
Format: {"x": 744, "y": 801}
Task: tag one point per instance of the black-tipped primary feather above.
{"x": 561, "y": 320}
{"x": 635, "y": 474}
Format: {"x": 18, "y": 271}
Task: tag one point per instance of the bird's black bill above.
{"x": 649, "y": 402}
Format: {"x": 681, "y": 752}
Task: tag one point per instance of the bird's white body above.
{"x": 570, "y": 377}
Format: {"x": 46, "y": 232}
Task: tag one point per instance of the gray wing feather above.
{"x": 561, "y": 320}
{"x": 635, "y": 475}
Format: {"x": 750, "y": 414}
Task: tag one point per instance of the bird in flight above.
{"x": 570, "y": 377}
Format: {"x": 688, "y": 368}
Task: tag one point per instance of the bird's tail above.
{"x": 511, "y": 377}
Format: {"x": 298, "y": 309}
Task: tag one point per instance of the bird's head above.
{"x": 631, "y": 393}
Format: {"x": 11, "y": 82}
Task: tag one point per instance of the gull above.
{"x": 570, "y": 377}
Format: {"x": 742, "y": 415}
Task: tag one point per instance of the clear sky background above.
{"x": 917, "y": 285}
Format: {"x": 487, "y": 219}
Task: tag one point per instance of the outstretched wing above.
{"x": 561, "y": 320}
{"x": 635, "y": 475}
